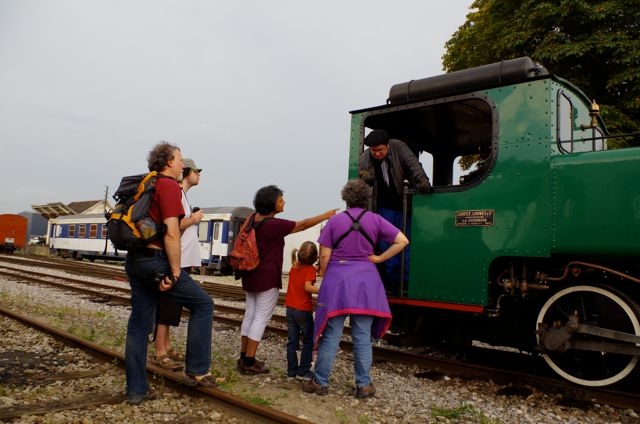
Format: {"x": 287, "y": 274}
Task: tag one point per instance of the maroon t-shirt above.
{"x": 165, "y": 203}
{"x": 270, "y": 236}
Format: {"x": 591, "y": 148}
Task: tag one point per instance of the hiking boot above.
{"x": 365, "y": 391}
{"x": 310, "y": 386}
{"x": 257, "y": 368}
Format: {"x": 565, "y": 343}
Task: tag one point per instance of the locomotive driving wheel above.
{"x": 594, "y": 306}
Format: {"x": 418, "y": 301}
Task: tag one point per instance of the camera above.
{"x": 158, "y": 277}
{"x": 195, "y": 209}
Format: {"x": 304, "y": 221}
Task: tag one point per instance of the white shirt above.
{"x": 190, "y": 247}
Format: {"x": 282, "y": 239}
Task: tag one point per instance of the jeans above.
{"x": 362, "y": 348}
{"x": 141, "y": 271}
{"x": 390, "y": 269}
{"x": 299, "y": 323}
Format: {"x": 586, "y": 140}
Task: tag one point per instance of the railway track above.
{"x": 231, "y": 405}
{"x": 434, "y": 367}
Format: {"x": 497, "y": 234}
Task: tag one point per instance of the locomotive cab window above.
{"x": 453, "y": 140}
{"x": 568, "y": 125}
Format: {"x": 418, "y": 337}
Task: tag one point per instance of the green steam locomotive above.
{"x": 537, "y": 245}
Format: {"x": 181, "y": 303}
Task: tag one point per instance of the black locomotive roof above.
{"x": 497, "y": 74}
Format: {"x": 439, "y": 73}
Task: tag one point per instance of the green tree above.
{"x": 594, "y": 44}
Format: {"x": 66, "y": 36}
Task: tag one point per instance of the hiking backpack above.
{"x": 129, "y": 225}
{"x": 245, "y": 255}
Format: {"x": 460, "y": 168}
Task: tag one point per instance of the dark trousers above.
{"x": 299, "y": 326}
{"x": 390, "y": 269}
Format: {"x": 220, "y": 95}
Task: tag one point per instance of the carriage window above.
{"x": 216, "y": 230}
{"x": 93, "y": 231}
{"x": 103, "y": 233}
{"x": 82, "y": 231}
{"x": 72, "y": 230}
{"x": 202, "y": 230}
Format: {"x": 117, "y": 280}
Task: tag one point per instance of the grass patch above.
{"x": 341, "y": 416}
{"x": 258, "y": 400}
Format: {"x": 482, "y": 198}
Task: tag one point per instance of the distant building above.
{"x": 48, "y": 211}
{"x": 56, "y": 209}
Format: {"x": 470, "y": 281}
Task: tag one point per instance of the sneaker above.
{"x": 304, "y": 377}
{"x": 365, "y": 391}
{"x": 310, "y": 386}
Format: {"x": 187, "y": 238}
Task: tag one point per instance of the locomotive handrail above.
{"x": 603, "y": 268}
{"x": 604, "y": 137}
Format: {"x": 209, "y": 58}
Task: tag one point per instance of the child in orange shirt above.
{"x": 302, "y": 278}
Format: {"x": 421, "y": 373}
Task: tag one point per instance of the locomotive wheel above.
{"x": 597, "y": 306}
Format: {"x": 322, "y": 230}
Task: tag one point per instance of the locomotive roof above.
{"x": 507, "y": 72}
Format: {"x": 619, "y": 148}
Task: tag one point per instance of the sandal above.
{"x": 165, "y": 361}
{"x": 175, "y": 355}
{"x": 206, "y": 380}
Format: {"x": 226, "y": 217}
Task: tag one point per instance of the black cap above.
{"x": 376, "y": 138}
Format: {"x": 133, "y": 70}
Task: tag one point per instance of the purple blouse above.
{"x": 352, "y": 284}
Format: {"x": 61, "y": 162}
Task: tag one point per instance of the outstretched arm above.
{"x": 310, "y": 222}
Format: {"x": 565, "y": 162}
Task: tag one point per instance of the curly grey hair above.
{"x": 355, "y": 193}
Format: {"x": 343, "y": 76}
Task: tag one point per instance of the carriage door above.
{"x": 218, "y": 248}
{"x": 204, "y": 237}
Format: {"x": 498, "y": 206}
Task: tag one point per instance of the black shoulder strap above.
{"x": 248, "y": 223}
{"x": 252, "y": 224}
{"x": 355, "y": 226}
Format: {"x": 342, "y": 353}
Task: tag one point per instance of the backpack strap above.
{"x": 250, "y": 222}
{"x": 247, "y": 225}
{"x": 355, "y": 226}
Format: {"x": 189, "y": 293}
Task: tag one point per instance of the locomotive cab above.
{"x": 530, "y": 213}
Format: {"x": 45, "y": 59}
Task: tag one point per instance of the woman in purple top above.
{"x": 352, "y": 286}
{"x": 262, "y": 285}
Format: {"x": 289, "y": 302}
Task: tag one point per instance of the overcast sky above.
{"x": 87, "y": 87}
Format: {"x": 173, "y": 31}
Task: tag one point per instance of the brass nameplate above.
{"x": 475, "y": 218}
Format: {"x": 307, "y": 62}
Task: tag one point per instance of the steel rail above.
{"x": 235, "y": 404}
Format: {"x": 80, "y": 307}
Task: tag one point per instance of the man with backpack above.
{"x": 156, "y": 268}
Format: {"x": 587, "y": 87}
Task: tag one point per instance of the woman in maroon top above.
{"x": 263, "y": 284}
